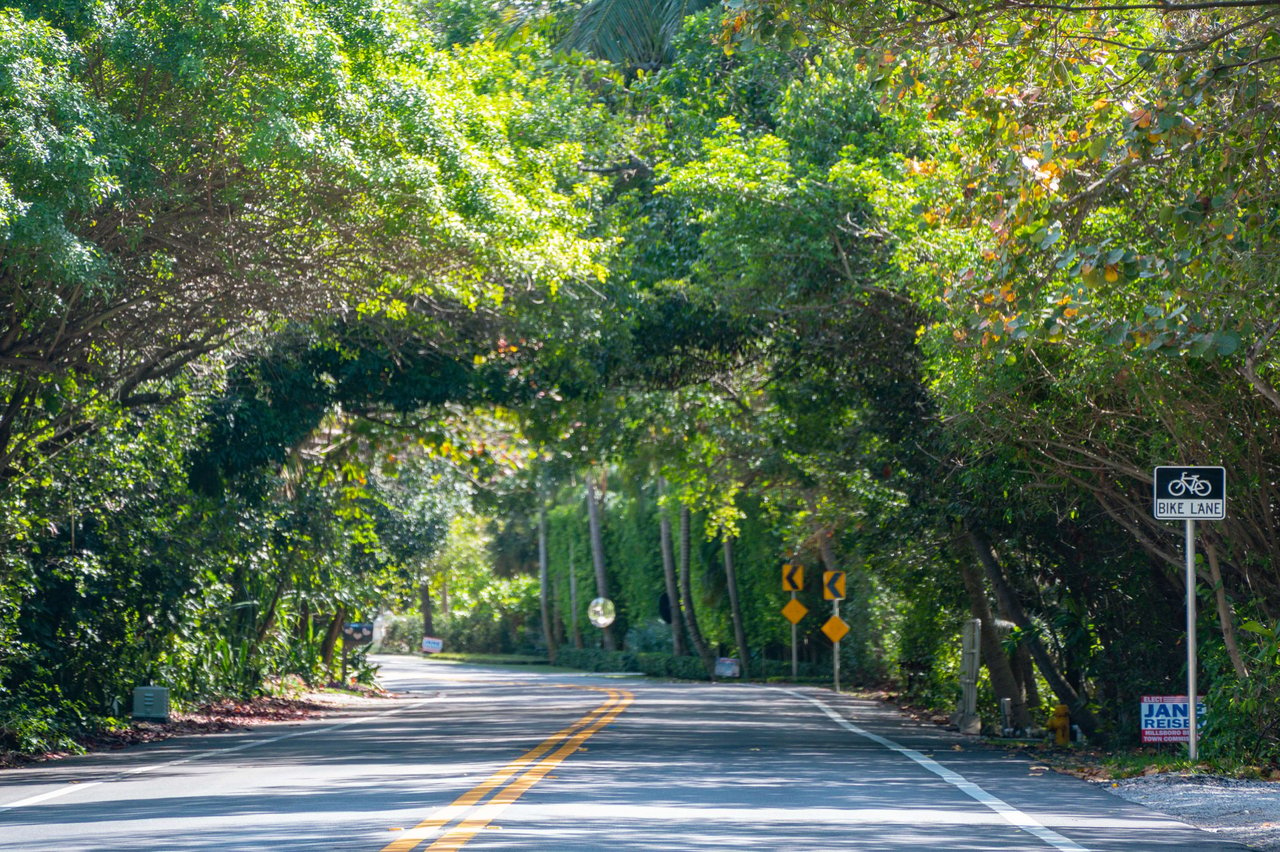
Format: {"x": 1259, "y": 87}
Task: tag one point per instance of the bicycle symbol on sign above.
{"x": 1190, "y": 483}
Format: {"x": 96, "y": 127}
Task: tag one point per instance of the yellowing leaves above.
{"x": 1048, "y": 173}
{"x": 923, "y": 168}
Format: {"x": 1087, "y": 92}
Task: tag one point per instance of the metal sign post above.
{"x": 793, "y": 581}
{"x": 835, "y": 628}
{"x": 795, "y": 658}
{"x": 835, "y": 654}
{"x": 1192, "y": 696}
{"x": 1189, "y": 494}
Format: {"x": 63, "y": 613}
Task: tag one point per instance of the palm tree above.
{"x": 635, "y": 34}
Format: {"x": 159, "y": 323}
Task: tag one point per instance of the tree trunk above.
{"x": 331, "y": 639}
{"x": 669, "y": 577}
{"x": 557, "y": 620}
{"x": 303, "y": 631}
{"x": 1076, "y": 703}
{"x": 424, "y": 605}
{"x": 686, "y": 593}
{"x": 544, "y": 586}
{"x": 735, "y": 609}
{"x": 573, "y": 601}
{"x": 1024, "y": 669}
{"x": 1003, "y": 680}
{"x": 597, "y": 557}
{"x": 269, "y": 617}
{"x": 826, "y": 551}
{"x": 1225, "y": 618}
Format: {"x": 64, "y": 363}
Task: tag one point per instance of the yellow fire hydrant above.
{"x": 1060, "y": 724}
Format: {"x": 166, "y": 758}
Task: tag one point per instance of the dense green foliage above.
{"x": 316, "y": 308}
{"x": 246, "y": 244}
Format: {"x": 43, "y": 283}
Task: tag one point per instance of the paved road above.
{"x": 476, "y": 758}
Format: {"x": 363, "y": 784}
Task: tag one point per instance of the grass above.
{"x": 491, "y": 659}
{"x": 1114, "y": 764}
{"x": 522, "y": 662}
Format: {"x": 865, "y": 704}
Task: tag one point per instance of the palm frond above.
{"x": 631, "y": 33}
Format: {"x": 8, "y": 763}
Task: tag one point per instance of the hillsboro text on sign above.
{"x": 1190, "y": 493}
{"x": 1164, "y": 718}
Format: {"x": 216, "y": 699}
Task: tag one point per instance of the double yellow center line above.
{"x": 469, "y": 813}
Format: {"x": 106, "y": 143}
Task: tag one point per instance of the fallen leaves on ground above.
{"x": 212, "y": 718}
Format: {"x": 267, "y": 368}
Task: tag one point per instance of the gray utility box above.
{"x": 151, "y": 703}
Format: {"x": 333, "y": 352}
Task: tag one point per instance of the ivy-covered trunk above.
{"x": 686, "y": 593}
{"x": 669, "y": 577}
{"x": 597, "y": 557}
{"x": 735, "y": 608}
{"x": 544, "y": 584}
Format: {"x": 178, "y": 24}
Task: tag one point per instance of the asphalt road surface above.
{"x": 477, "y": 758}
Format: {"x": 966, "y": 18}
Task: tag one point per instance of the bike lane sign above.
{"x": 1190, "y": 493}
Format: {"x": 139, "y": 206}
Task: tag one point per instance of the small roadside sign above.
{"x": 431, "y": 645}
{"x": 794, "y": 611}
{"x": 792, "y": 577}
{"x": 1165, "y": 718}
{"x": 833, "y": 585}
{"x": 728, "y": 667}
{"x": 358, "y": 631}
{"x": 835, "y": 628}
{"x": 1190, "y": 493}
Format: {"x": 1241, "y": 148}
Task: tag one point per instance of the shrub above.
{"x": 654, "y": 664}
{"x": 402, "y": 634}
{"x": 42, "y": 721}
{"x": 1243, "y": 718}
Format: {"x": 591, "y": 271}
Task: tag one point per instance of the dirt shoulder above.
{"x": 212, "y": 718}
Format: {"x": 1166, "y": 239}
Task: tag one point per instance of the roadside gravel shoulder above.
{"x": 1245, "y": 811}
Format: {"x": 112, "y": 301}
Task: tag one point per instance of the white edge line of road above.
{"x": 72, "y": 787}
{"x": 1008, "y": 812}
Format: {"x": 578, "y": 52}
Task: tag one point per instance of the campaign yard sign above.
{"x": 1164, "y": 718}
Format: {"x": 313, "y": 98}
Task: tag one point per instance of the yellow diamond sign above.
{"x": 794, "y": 611}
{"x": 835, "y": 628}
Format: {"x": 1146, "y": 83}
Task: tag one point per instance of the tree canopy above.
{"x": 322, "y": 309}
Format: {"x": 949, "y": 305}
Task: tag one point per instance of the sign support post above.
{"x": 793, "y": 581}
{"x": 835, "y": 655}
{"x": 795, "y": 659}
{"x": 1189, "y": 494}
{"x": 835, "y": 628}
{"x": 1192, "y": 695}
